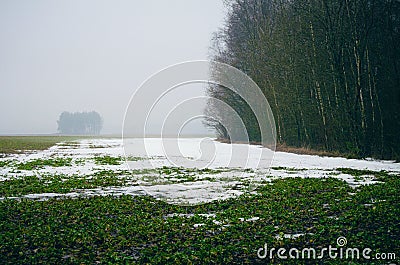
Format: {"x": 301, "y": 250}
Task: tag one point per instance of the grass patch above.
{"x": 378, "y": 175}
{"x": 5, "y": 163}
{"x": 108, "y": 160}
{"x": 144, "y": 230}
{"x": 41, "y": 163}
{"x": 19, "y": 144}
{"x": 64, "y": 184}
{"x": 134, "y": 158}
{"x": 115, "y": 160}
{"x": 174, "y": 175}
{"x": 165, "y": 170}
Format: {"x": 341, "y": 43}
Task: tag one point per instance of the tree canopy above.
{"x": 88, "y": 123}
{"x": 329, "y": 69}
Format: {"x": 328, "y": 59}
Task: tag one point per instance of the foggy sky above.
{"x": 91, "y": 55}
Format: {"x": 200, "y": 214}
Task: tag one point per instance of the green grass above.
{"x": 165, "y": 170}
{"x": 58, "y": 183}
{"x": 141, "y": 229}
{"x": 108, "y": 160}
{"x": 17, "y": 144}
{"x": 115, "y": 160}
{"x": 126, "y": 229}
{"x": 174, "y": 175}
{"x": 378, "y": 175}
{"x": 5, "y": 163}
{"x": 41, "y": 163}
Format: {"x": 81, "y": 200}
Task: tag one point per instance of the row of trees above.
{"x": 80, "y": 123}
{"x": 329, "y": 69}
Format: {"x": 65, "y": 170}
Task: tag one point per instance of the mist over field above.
{"x": 91, "y": 55}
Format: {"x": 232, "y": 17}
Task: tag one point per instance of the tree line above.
{"x": 329, "y": 69}
{"x": 80, "y": 123}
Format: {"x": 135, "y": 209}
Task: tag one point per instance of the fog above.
{"x": 91, "y": 55}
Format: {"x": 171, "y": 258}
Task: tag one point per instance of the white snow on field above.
{"x": 310, "y": 161}
{"x": 223, "y": 151}
{"x": 231, "y": 159}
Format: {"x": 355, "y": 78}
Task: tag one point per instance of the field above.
{"x": 19, "y": 144}
{"x": 84, "y": 202}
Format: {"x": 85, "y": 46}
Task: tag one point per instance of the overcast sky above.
{"x": 84, "y": 55}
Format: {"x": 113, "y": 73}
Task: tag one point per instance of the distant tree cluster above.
{"x": 330, "y": 70}
{"x": 89, "y": 123}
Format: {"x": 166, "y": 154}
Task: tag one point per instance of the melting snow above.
{"x": 219, "y": 185}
